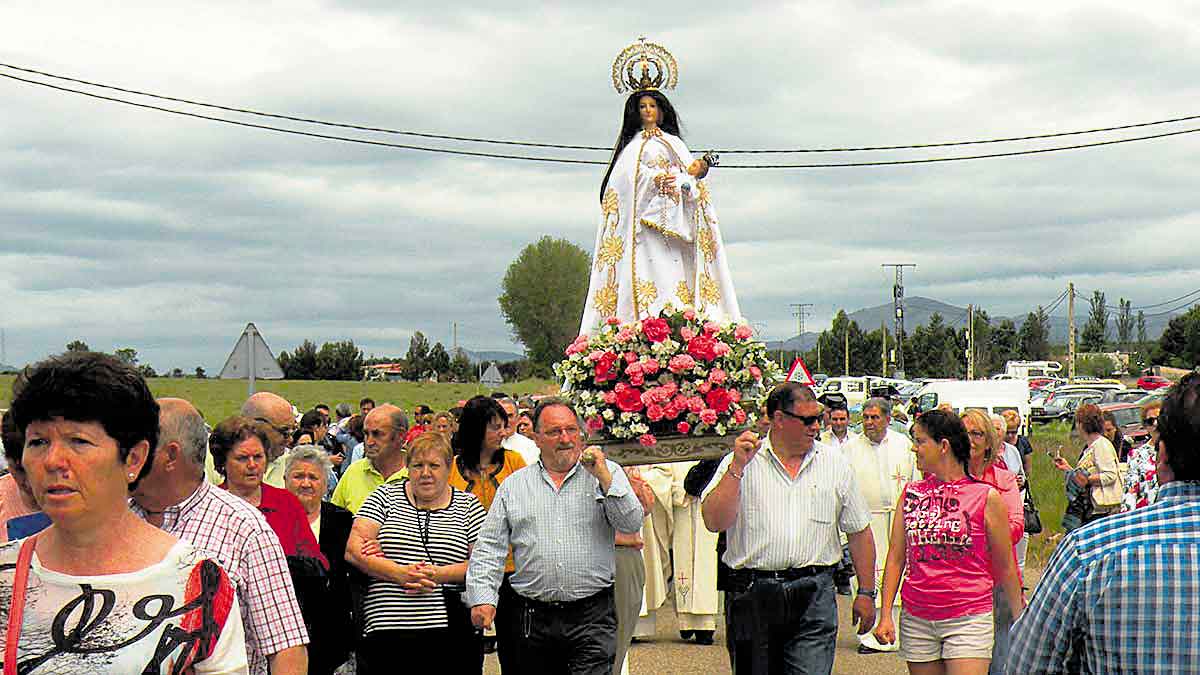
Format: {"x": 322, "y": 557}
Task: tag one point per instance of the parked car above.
{"x": 1129, "y": 421}
{"x": 1063, "y": 406}
{"x": 1150, "y": 382}
{"x": 1124, "y": 395}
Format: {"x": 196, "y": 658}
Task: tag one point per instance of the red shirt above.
{"x": 287, "y": 518}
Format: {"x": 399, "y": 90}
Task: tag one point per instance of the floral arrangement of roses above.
{"x": 674, "y": 374}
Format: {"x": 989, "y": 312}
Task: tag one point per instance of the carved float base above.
{"x": 668, "y": 449}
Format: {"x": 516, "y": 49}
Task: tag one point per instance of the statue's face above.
{"x": 648, "y": 108}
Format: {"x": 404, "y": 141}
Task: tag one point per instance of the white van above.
{"x": 1028, "y": 369}
{"x": 992, "y": 396}
{"x": 855, "y": 389}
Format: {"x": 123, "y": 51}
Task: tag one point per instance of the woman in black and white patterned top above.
{"x": 413, "y": 538}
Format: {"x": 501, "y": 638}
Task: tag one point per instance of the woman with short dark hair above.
{"x": 90, "y": 428}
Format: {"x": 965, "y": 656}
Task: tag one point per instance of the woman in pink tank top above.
{"x": 952, "y": 541}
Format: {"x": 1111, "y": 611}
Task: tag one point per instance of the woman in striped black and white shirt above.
{"x": 413, "y": 537}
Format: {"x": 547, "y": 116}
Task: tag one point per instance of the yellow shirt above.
{"x": 485, "y": 488}
{"x": 359, "y": 481}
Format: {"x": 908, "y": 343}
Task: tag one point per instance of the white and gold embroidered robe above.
{"x": 649, "y": 243}
{"x": 694, "y": 549}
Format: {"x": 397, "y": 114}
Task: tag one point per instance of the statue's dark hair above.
{"x": 631, "y": 124}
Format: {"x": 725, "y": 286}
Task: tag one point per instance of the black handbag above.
{"x": 1033, "y": 519}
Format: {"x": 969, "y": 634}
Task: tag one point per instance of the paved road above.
{"x": 667, "y": 653}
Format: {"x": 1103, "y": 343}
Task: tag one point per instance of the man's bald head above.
{"x": 272, "y": 407}
{"x": 180, "y": 422}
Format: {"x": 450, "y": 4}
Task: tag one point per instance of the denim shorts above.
{"x": 964, "y": 637}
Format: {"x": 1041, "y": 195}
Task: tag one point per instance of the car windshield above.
{"x": 1127, "y": 416}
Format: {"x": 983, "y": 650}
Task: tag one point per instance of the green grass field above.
{"x": 218, "y": 399}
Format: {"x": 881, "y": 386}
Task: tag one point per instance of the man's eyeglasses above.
{"x": 286, "y": 431}
{"x": 806, "y": 420}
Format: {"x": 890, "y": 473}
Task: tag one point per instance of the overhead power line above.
{"x": 565, "y": 146}
{"x": 1169, "y": 302}
{"x": 565, "y": 160}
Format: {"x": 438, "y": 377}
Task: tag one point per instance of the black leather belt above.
{"x": 745, "y": 576}
{"x": 560, "y": 605}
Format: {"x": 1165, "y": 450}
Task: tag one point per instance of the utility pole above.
{"x": 800, "y": 310}
{"x": 1071, "y": 332}
{"x": 847, "y": 348}
{"x": 454, "y": 340}
{"x": 898, "y": 305}
{"x": 818, "y": 353}
{"x": 970, "y": 342}
{"x": 883, "y": 351}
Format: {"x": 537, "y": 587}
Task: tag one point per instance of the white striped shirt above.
{"x": 785, "y": 523}
{"x": 407, "y": 536}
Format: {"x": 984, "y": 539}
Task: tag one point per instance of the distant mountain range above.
{"x": 5, "y": 368}
{"x": 919, "y": 309}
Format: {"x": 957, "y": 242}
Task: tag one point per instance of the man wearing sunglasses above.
{"x": 782, "y": 501}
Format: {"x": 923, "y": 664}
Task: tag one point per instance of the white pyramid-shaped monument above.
{"x": 251, "y": 358}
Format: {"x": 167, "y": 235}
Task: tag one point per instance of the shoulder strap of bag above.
{"x": 16, "y": 610}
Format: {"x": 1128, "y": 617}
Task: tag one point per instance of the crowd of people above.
{"x": 142, "y": 540}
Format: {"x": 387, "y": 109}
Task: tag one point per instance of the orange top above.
{"x": 485, "y": 487}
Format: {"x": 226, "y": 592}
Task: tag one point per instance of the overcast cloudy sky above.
{"x": 127, "y": 227}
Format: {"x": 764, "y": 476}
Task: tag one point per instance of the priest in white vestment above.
{"x": 656, "y": 551}
{"x": 883, "y": 463}
{"x": 694, "y": 550}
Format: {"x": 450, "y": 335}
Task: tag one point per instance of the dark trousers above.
{"x": 436, "y": 650}
{"x": 775, "y": 627}
{"x": 575, "y": 638}
{"x": 507, "y": 634}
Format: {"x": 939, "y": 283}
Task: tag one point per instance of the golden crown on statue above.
{"x": 642, "y": 66}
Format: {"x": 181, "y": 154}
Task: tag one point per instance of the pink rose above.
{"x": 595, "y": 423}
{"x": 669, "y": 390}
{"x": 681, "y": 363}
{"x": 703, "y": 387}
{"x": 683, "y": 427}
{"x": 686, "y": 333}
{"x": 613, "y": 321}
{"x": 651, "y": 366}
{"x": 735, "y": 395}
{"x": 637, "y": 379}
{"x": 716, "y": 376}
{"x": 633, "y": 367}
{"x": 596, "y": 355}
{"x": 647, "y": 440}
{"x": 630, "y": 357}
{"x": 671, "y": 411}
{"x": 756, "y": 372}
{"x": 680, "y": 401}
{"x": 743, "y": 332}
{"x": 656, "y": 330}
{"x": 696, "y": 404}
{"x": 711, "y": 327}
{"x": 689, "y": 315}
{"x": 739, "y": 416}
{"x": 654, "y": 412}
{"x": 625, "y": 334}
{"x": 708, "y": 416}
{"x": 610, "y": 397}
{"x": 721, "y": 349}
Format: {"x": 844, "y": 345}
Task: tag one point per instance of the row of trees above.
{"x": 332, "y": 361}
{"x": 1096, "y": 334}
{"x": 129, "y": 355}
{"x": 936, "y": 349}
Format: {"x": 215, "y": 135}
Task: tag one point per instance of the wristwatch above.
{"x": 871, "y": 593}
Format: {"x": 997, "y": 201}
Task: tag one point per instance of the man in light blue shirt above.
{"x": 559, "y": 516}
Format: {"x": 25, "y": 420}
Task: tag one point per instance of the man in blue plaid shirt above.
{"x": 1122, "y": 594}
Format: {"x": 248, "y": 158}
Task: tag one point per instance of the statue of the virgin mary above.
{"x": 658, "y": 242}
